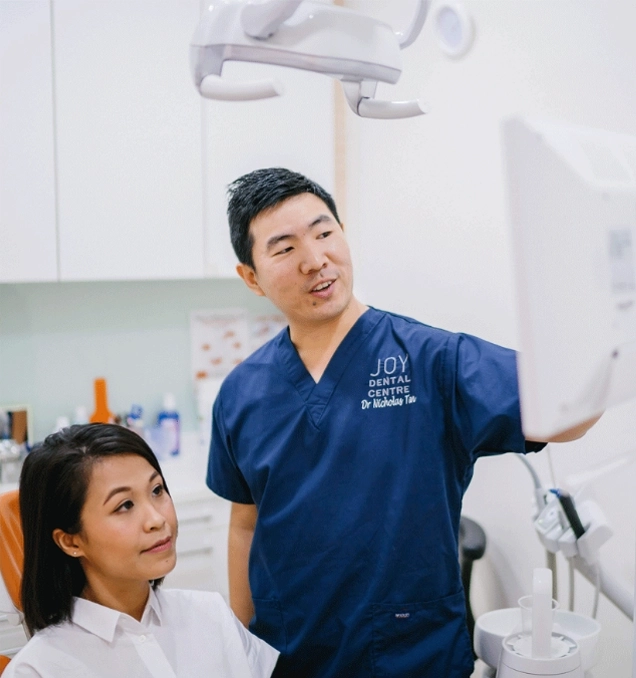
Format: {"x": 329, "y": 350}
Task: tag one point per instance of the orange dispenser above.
{"x": 101, "y": 415}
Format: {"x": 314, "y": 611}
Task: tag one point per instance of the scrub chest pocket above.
{"x": 412, "y": 640}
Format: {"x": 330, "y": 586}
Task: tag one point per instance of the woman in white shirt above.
{"x": 100, "y": 531}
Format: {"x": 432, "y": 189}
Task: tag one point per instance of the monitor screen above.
{"x": 572, "y": 210}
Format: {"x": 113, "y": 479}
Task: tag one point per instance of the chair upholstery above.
{"x": 3, "y": 663}
{"x": 11, "y": 545}
{"x": 11, "y": 552}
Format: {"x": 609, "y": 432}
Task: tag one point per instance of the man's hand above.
{"x": 570, "y": 434}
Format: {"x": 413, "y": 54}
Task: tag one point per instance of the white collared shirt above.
{"x": 182, "y": 634}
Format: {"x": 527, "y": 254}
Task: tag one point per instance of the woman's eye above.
{"x": 126, "y": 506}
{"x": 158, "y": 490}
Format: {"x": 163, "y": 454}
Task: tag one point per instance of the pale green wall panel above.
{"x": 55, "y": 338}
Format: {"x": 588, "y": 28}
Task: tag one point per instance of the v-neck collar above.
{"x": 317, "y": 394}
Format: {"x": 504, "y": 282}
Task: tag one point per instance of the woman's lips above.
{"x": 160, "y": 546}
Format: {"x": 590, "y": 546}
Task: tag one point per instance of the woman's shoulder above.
{"x": 196, "y": 612}
{"x": 27, "y": 663}
{"x": 209, "y": 601}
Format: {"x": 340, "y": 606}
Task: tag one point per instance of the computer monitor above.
{"x": 572, "y": 209}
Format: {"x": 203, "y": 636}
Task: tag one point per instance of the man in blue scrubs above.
{"x": 346, "y": 444}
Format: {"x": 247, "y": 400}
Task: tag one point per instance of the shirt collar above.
{"x": 103, "y": 621}
{"x": 153, "y": 611}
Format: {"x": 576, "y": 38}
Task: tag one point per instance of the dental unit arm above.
{"x": 556, "y": 533}
{"x": 354, "y": 48}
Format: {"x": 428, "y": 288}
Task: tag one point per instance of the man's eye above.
{"x": 325, "y": 234}
{"x": 287, "y": 249}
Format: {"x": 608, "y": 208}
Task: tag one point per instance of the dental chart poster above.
{"x": 221, "y": 339}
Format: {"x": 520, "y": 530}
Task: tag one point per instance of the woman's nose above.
{"x": 154, "y": 519}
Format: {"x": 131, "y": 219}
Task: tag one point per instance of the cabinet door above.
{"x": 295, "y": 130}
{"x": 27, "y": 185}
{"x": 128, "y": 126}
{"x": 202, "y": 542}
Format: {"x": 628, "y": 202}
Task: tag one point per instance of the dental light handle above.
{"x": 262, "y": 18}
{"x": 384, "y": 110}
{"x": 215, "y": 87}
{"x": 360, "y": 97}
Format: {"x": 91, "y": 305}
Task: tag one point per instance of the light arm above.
{"x": 262, "y": 18}
{"x": 409, "y": 36}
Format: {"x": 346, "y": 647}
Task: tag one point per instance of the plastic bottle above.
{"x": 135, "y": 421}
{"x": 102, "y": 414}
{"x": 60, "y": 423}
{"x": 168, "y": 422}
{"x": 81, "y": 415}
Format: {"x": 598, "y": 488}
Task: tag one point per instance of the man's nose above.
{"x": 313, "y": 260}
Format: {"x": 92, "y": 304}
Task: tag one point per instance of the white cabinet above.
{"x": 202, "y": 543}
{"x": 112, "y": 167}
{"x": 128, "y": 129}
{"x": 28, "y": 249}
{"x": 295, "y": 130}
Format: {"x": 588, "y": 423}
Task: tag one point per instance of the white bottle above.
{"x": 60, "y": 423}
{"x": 168, "y": 422}
{"x": 81, "y": 415}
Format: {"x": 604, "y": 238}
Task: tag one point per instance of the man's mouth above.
{"x": 322, "y": 286}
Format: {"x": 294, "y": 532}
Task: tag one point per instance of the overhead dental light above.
{"x": 354, "y": 48}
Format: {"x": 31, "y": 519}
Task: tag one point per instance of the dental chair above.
{"x": 11, "y": 561}
{"x": 472, "y": 546}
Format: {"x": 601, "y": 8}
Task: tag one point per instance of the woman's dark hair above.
{"x": 53, "y": 487}
{"x": 261, "y": 190}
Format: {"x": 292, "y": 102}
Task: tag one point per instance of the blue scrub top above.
{"x": 358, "y": 480}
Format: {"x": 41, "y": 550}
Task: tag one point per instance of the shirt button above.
{"x": 142, "y": 639}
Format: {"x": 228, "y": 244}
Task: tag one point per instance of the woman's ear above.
{"x": 71, "y": 544}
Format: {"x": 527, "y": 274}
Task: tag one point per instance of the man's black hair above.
{"x": 261, "y": 190}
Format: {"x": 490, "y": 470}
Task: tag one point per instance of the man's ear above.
{"x": 71, "y": 544}
{"x": 248, "y": 274}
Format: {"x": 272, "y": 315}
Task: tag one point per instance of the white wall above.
{"x": 426, "y": 219}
